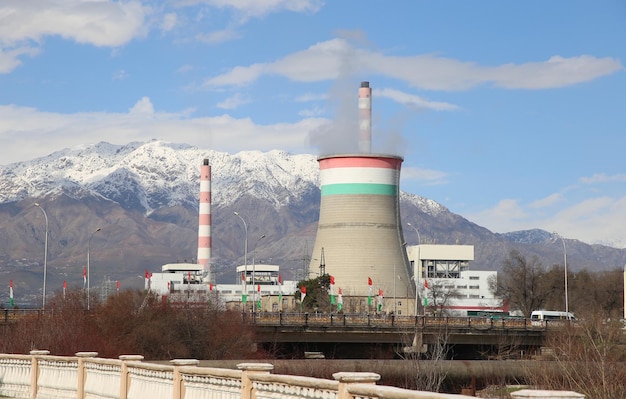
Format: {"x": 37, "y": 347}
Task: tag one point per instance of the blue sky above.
{"x": 511, "y": 114}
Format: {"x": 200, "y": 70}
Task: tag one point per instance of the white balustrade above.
{"x": 103, "y": 378}
{"x": 85, "y": 376}
{"x": 57, "y": 377}
{"x": 15, "y": 375}
{"x": 150, "y": 381}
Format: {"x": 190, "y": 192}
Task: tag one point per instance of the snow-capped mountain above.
{"x": 149, "y": 176}
{"x": 144, "y": 199}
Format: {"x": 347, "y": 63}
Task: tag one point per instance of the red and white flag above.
{"x": 11, "y": 302}
{"x": 302, "y": 293}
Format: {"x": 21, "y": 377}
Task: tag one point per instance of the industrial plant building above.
{"x": 359, "y": 242}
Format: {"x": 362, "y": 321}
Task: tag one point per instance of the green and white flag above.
{"x": 339, "y": 301}
{"x": 425, "y": 292}
{"x": 244, "y": 296}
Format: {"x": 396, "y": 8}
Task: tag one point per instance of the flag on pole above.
{"x": 11, "y": 303}
{"x": 64, "y": 288}
{"x": 369, "y": 291}
{"x": 302, "y": 293}
{"x": 188, "y": 281}
{"x": 84, "y": 276}
{"x": 380, "y": 300}
{"x": 146, "y": 278}
{"x": 425, "y": 292}
{"x": 280, "y": 289}
{"x": 332, "y": 290}
{"x": 339, "y": 301}
{"x": 258, "y": 303}
{"x": 302, "y": 296}
{"x": 244, "y": 296}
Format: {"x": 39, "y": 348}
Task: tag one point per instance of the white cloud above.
{"x": 603, "y": 178}
{"x": 234, "y": 101}
{"x": 547, "y": 201}
{"x": 169, "y": 22}
{"x": 120, "y": 75}
{"x": 311, "y": 112}
{"x": 220, "y": 36}
{"x": 26, "y": 133}
{"x": 260, "y": 8}
{"x": 596, "y": 220}
{"x": 23, "y": 25}
{"x": 327, "y": 60}
{"x": 143, "y": 106}
{"x": 413, "y": 101}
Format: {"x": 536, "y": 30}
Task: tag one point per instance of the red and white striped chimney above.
{"x": 365, "y": 118}
{"x": 204, "y": 220}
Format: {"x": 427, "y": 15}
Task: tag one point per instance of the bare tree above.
{"x": 441, "y": 294}
{"x": 522, "y": 283}
{"x": 587, "y": 358}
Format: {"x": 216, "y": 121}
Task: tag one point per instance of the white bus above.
{"x": 549, "y": 315}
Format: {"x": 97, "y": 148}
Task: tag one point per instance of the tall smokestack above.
{"x": 365, "y": 118}
{"x": 204, "y": 220}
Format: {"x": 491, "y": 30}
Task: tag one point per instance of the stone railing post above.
{"x": 246, "y": 383}
{"x": 346, "y": 378}
{"x": 124, "y": 372}
{"x": 538, "y": 394}
{"x": 178, "y": 390}
{"x": 34, "y": 370}
{"x": 81, "y": 375}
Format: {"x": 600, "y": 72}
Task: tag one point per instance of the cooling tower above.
{"x": 204, "y": 219}
{"x": 359, "y": 231}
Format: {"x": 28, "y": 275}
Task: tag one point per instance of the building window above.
{"x": 474, "y": 278}
{"x": 474, "y": 287}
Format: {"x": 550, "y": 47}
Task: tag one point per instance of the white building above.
{"x": 453, "y": 288}
{"x": 186, "y": 281}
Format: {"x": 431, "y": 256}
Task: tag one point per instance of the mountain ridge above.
{"x": 144, "y": 197}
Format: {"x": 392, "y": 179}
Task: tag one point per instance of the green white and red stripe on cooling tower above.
{"x": 360, "y": 175}
{"x": 204, "y": 217}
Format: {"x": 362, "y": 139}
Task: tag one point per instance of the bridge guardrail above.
{"x": 384, "y": 321}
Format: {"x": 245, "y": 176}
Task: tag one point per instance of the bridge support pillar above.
{"x": 178, "y": 390}
{"x": 34, "y": 370}
{"x": 347, "y": 378}
{"x": 82, "y": 375}
{"x": 247, "y": 390}
{"x": 124, "y": 372}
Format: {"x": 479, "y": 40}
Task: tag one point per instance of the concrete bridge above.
{"x": 40, "y": 375}
{"x": 471, "y": 337}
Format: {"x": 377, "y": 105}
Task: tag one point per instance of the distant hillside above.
{"x": 144, "y": 197}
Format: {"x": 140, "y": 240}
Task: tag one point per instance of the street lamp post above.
{"x": 88, "y": 260}
{"x": 419, "y": 240}
{"x": 245, "y": 254}
{"x": 254, "y": 266}
{"x": 45, "y": 258}
{"x": 565, "y": 267}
